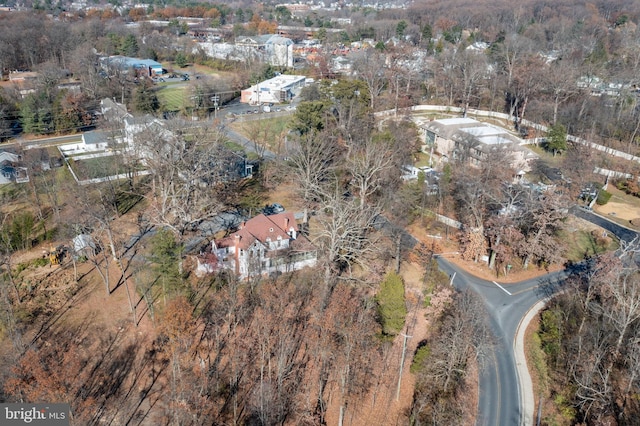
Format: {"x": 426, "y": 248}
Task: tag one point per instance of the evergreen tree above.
{"x": 401, "y": 28}
{"x": 166, "y": 256}
{"x": 180, "y": 60}
{"x": 391, "y": 306}
{"x": 145, "y": 100}
{"x": 130, "y": 46}
{"x": 557, "y": 138}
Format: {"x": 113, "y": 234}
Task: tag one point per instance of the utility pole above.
{"x": 397, "y": 83}
{"x": 215, "y": 99}
{"x": 404, "y": 349}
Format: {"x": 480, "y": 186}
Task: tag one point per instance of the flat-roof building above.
{"x": 276, "y": 90}
{"x": 473, "y": 141}
{"x": 146, "y": 67}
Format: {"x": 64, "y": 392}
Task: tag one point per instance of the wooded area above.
{"x": 126, "y": 332}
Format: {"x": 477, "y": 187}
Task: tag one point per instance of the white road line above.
{"x": 502, "y": 288}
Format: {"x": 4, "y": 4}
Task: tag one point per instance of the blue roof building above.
{"x": 147, "y": 67}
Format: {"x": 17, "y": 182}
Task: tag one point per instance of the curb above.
{"x": 527, "y": 400}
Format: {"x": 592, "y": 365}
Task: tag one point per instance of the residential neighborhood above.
{"x": 320, "y": 213}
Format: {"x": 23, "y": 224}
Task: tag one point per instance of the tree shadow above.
{"x": 55, "y": 317}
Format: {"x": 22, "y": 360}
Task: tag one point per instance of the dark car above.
{"x": 274, "y": 208}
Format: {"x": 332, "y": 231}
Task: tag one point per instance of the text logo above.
{"x": 34, "y": 414}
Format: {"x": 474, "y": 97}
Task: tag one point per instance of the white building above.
{"x": 473, "y": 141}
{"x": 271, "y": 48}
{"x": 276, "y": 90}
{"x": 264, "y": 245}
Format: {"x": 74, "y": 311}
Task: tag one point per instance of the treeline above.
{"x": 590, "y": 336}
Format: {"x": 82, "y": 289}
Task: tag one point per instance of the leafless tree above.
{"x": 313, "y": 158}
{"x": 190, "y": 169}
{"x": 344, "y": 232}
{"x": 464, "y": 337}
{"x": 370, "y": 67}
{"x": 369, "y": 165}
{"x": 544, "y": 217}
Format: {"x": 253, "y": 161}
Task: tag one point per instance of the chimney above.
{"x": 286, "y": 224}
{"x": 236, "y": 255}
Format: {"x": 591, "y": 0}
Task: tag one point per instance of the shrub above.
{"x": 39, "y": 262}
{"x": 391, "y": 306}
{"x": 603, "y": 197}
{"x": 422, "y": 353}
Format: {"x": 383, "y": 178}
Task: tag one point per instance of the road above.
{"x": 43, "y": 142}
{"x": 247, "y": 144}
{"x": 625, "y": 234}
{"x": 499, "y": 394}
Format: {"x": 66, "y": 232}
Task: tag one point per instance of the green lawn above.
{"x": 582, "y": 244}
{"x": 422, "y": 160}
{"x": 171, "y": 98}
{"x": 96, "y": 167}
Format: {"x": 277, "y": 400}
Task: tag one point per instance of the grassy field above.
{"x": 422, "y": 160}
{"x": 96, "y": 168}
{"x": 270, "y": 131}
{"x": 582, "y": 244}
{"x": 171, "y": 98}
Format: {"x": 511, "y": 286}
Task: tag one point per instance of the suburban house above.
{"x": 265, "y": 245}
{"x": 473, "y": 141}
{"x": 11, "y": 170}
{"x": 275, "y": 90}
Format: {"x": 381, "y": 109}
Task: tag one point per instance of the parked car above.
{"x": 274, "y": 208}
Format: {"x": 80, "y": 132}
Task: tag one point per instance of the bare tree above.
{"x": 369, "y": 165}
{"x": 344, "y": 232}
{"x": 313, "y": 158}
{"x": 544, "y": 217}
{"x": 370, "y": 67}
{"x": 190, "y": 171}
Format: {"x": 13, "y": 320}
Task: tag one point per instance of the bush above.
{"x": 391, "y": 306}
{"x": 603, "y": 197}
{"x": 421, "y": 355}
{"x": 39, "y": 262}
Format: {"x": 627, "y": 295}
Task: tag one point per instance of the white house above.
{"x": 10, "y": 170}
{"x": 265, "y": 245}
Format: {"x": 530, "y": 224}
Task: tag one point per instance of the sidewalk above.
{"x": 527, "y": 399}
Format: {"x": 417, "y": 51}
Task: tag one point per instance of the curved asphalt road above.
{"x": 500, "y": 402}
{"x": 499, "y": 394}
